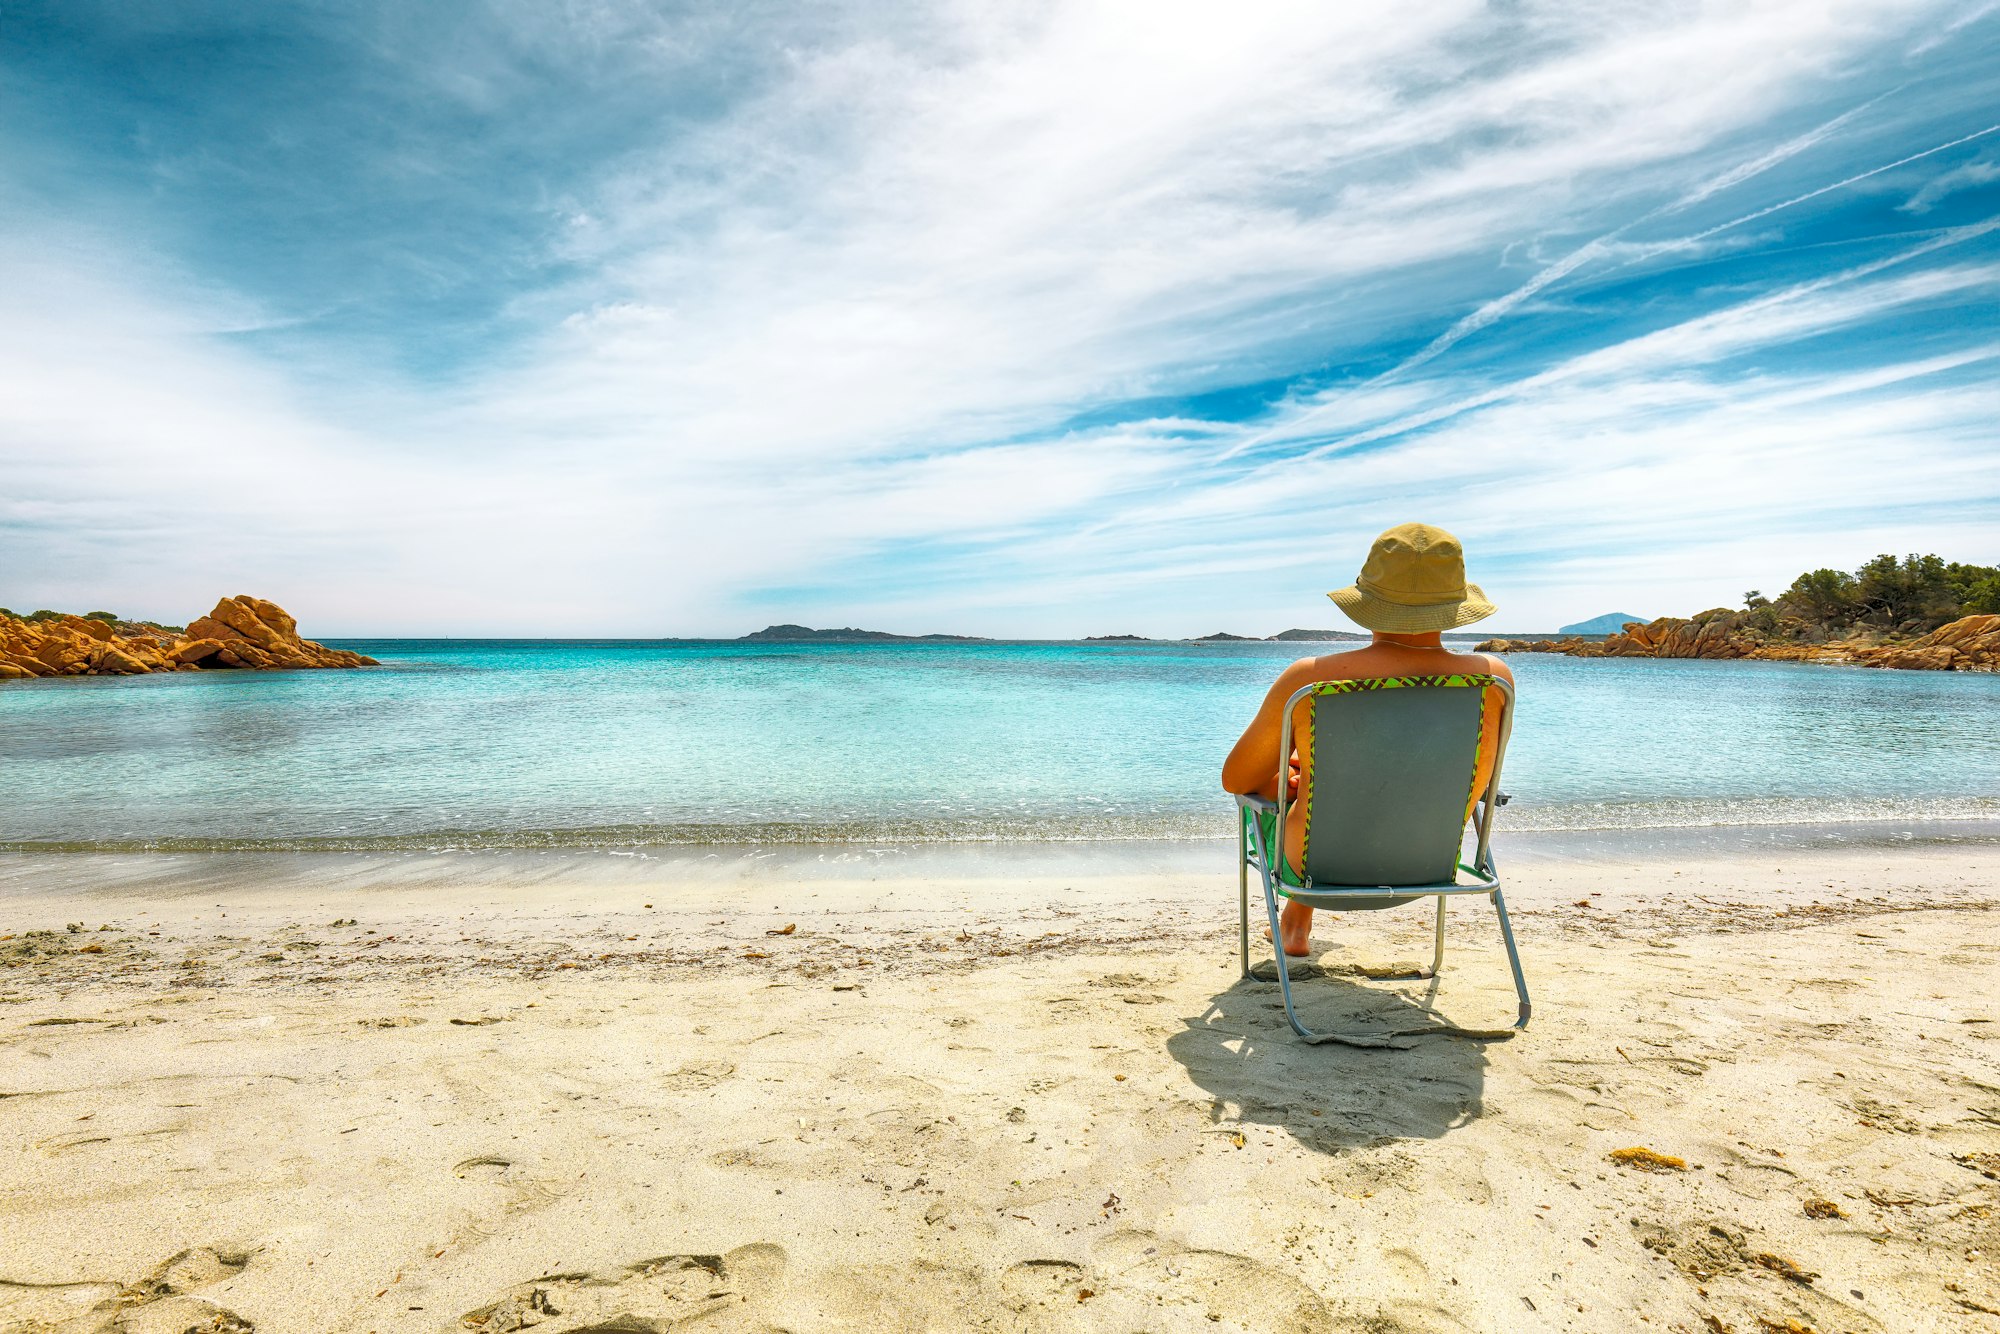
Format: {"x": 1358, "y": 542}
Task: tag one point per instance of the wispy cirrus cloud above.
{"x": 624, "y": 319}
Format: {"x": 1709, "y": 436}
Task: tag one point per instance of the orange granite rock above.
{"x": 256, "y": 633}
{"x": 243, "y": 632}
{"x": 1969, "y": 644}
{"x": 114, "y": 661}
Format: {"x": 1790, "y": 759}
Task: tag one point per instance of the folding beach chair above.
{"x": 1384, "y": 801}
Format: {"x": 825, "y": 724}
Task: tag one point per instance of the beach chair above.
{"x": 1384, "y": 800}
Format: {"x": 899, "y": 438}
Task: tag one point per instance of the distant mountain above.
{"x": 1224, "y": 637}
{"x": 1121, "y": 639}
{"x": 794, "y": 634}
{"x": 1319, "y": 634}
{"x": 1610, "y": 623}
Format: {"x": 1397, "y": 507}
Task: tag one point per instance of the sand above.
{"x": 318, "y": 1095}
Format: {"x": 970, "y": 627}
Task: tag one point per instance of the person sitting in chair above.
{"x": 1411, "y": 589}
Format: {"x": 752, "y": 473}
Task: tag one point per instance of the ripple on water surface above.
{"x": 624, "y": 744}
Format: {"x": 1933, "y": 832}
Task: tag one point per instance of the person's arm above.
{"x": 1252, "y": 766}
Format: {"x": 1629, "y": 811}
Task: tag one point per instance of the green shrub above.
{"x": 43, "y": 615}
{"x": 1983, "y": 598}
{"x": 1910, "y": 596}
{"x": 109, "y": 617}
{"x": 1822, "y": 597}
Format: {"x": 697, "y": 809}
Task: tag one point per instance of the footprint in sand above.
{"x": 179, "y": 1315}
{"x": 1135, "y": 1280}
{"x": 1041, "y": 1283}
{"x": 698, "y": 1077}
{"x": 875, "y": 1299}
{"x": 1138, "y": 1281}
{"x": 41, "y": 1308}
{"x": 645, "y": 1298}
{"x": 1153, "y": 1272}
{"x": 194, "y": 1268}
{"x": 158, "y": 1303}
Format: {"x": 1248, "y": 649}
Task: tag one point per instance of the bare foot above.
{"x": 1296, "y": 925}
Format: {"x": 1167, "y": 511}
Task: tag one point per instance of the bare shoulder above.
{"x": 1301, "y": 673}
{"x": 1346, "y": 665}
{"x": 1487, "y": 663}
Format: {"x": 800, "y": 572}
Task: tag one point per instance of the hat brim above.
{"x": 1394, "y": 618}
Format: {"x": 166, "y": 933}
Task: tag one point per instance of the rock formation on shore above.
{"x": 242, "y": 632}
{"x": 1968, "y": 644}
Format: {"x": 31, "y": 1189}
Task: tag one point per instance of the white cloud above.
{"x": 863, "y": 308}
{"x": 1939, "y": 188}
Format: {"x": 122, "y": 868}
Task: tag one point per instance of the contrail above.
{"x": 1493, "y": 310}
{"x": 1758, "y": 166}
{"x": 1500, "y": 305}
{"x": 1950, "y": 236}
{"x": 1590, "y": 250}
{"x": 1824, "y": 189}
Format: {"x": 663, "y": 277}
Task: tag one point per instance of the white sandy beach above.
{"x": 599, "y": 1099}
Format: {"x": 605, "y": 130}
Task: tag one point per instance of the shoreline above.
{"x": 341, "y": 1095}
{"x": 1778, "y": 827}
{"x": 22, "y": 867}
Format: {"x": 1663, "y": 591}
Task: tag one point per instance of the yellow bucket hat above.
{"x": 1412, "y": 583}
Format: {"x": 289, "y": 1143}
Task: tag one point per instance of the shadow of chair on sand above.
{"x": 1411, "y": 1073}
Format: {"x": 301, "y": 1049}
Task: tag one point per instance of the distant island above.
{"x": 793, "y": 634}
{"x": 1916, "y": 613}
{"x": 1610, "y": 623}
{"x": 1289, "y": 635}
{"x": 799, "y": 634}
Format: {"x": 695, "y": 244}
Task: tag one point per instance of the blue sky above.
{"x": 606, "y": 318}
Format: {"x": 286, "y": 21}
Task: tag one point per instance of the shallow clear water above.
{"x": 619, "y": 743}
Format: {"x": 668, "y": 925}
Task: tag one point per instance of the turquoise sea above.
{"x": 622, "y": 744}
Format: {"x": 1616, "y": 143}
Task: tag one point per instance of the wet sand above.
{"x": 982, "y": 1089}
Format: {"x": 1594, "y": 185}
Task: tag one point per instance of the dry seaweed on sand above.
{"x": 1782, "y": 1267}
{"x": 1648, "y": 1160}
{"x": 1818, "y": 1208}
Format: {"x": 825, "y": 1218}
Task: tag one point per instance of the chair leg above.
{"x": 1513, "y": 958}
{"x": 1265, "y": 863}
{"x": 1243, "y": 885}
{"x": 1437, "y": 951}
{"x": 1284, "y": 970}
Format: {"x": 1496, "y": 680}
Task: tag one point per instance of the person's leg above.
{"x": 1295, "y": 925}
{"x": 1294, "y": 919}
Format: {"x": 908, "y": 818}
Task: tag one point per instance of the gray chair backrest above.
{"x": 1392, "y": 774}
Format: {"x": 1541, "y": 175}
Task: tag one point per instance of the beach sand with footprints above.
{"x": 450, "y": 1093}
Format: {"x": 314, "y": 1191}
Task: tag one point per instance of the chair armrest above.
{"x": 1484, "y": 878}
{"x": 1250, "y": 802}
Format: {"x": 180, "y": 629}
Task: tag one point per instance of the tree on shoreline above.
{"x": 1914, "y": 595}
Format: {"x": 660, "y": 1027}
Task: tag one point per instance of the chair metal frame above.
{"x": 1252, "y": 852}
